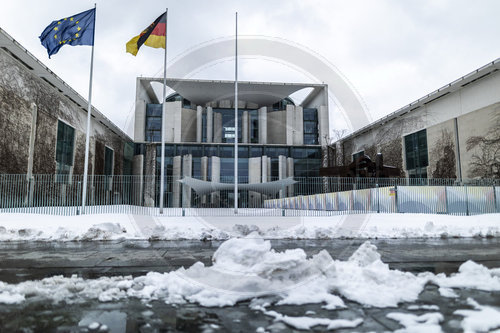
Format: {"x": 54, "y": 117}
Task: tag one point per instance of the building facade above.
{"x": 43, "y": 123}
{"x": 453, "y": 132}
{"x": 277, "y": 139}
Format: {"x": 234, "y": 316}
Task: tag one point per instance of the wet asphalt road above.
{"x": 22, "y": 261}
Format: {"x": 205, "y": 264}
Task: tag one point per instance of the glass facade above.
{"x": 228, "y": 126}
{"x": 254, "y": 125}
{"x": 153, "y": 122}
{"x": 307, "y": 160}
{"x": 281, "y": 105}
{"x": 310, "y": 117}
{"x": 416, "y": 154}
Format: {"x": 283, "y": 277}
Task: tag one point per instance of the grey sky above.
{"x": 392, "y": 51}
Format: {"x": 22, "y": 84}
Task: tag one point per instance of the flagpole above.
{"x": 236, "y": 119}
{"x": 162, "y": 171}
{"x": 89, "y": 109}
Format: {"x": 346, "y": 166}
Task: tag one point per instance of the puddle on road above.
{"x": 132, "y": 315}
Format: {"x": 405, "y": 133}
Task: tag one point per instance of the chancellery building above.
{"x": 277, "y": 138}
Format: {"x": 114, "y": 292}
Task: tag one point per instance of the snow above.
{"x": 447, "y": 292}
{"x": 470, "y": 275}
{"x": 249, "y": 269}
{"x": 426, "y": 323}
{"x": 423, "y": 307}
{"x": 19, "y": 226}
{"x": 306, "y": 323}
{"x": 482, "y": 319}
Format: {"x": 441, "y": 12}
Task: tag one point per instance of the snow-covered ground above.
{"x": 17, "y": 226}
{"x": 249, "y": 269}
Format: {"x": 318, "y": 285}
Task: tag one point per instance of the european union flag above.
{"x": 73, "y": 30}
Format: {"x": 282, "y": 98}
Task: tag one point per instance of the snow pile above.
{"x": 428, "y": 322}
{"x": 470, "y": 275}
{"x": 388, "y": 226}
{"x": 17, "y": 226}
{"x": 39, "y": 227}
{"x": 483, "y": 319}
{"x": 249, "y": 269}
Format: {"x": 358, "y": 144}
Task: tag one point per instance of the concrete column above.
{"x": 199, "y": 121}
{"x": 244, "y": 125}
{"x": 215, "y": 178}
{"x": 178, "y": 122}
{"x": 210, "y": 124}
{"x": 298, "y": 135}
{"x": 187, "y": 171}
{"x": 323, "y": 125}
{"x": 217, "y": 127}
{"x": 137, "y": 184}
{"x": 265, "y": 175}
{"x": 204, "y": 176}
{"x": 263, "y": 125}
{"x": 290, "y": 124}
{"x": 173, "y": 121}
{"x": 254, "y": 176}
{"x": 140, "y": 112}
{"x": 289, "y": 173}
{"x": 149, "y": 186}
{"x": 282, "y": 172}
{"x": 176, "y": 176}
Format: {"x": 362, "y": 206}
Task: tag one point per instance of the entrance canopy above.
{"x": 202, "y": 187}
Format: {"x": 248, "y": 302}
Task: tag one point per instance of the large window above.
{"x": 108, "y": 161}
{"x": 64, "y": 148}
{"x": 128, "y": 156}
{"x": 153, "y": 122}
{"x": 416, "y": 154}
{"x": 228, "y": 127}
{"x": 254, "y": 126}
{"x": 310, "y": 117}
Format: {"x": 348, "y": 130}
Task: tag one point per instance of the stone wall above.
{"x": 20, "y": 91}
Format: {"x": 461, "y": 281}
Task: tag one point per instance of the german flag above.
{"x": 152, "y": 36}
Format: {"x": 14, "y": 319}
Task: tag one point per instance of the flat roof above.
{"x": 441, "y": 92}
{"x": 201, "y": 92}
{"x": 35, "y": 66}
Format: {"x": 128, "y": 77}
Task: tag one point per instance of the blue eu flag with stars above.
{"x": 72, "y": 30}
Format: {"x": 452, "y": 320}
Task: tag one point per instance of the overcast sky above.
{"x": 391, "y": 51}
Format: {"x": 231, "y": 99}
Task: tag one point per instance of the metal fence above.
{"x": 316, "y": 196}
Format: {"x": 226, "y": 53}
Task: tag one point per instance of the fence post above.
{"x": 446, "y": 199}
{"x": 31, "y": 190}
{"x": 78, "y": 201}
{"x": 378, "y": 198}
{"x": 466, "y": 201}
{"x": 282, "y": 201}
{"x": 396, "y": 197}
{"x": 495, "y": 198}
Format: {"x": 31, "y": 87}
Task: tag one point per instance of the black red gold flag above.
{"x": 152, "y": 36}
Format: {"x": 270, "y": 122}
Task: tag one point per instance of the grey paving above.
{"x": 21, "y": 261}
